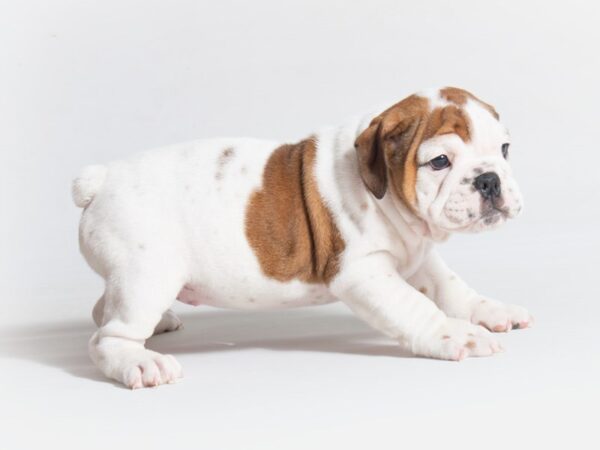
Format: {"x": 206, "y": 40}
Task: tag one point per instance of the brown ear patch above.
{"x": 386, "y": 149}
{"x": 371, "y": 159}
{"x": 289, "y": 228}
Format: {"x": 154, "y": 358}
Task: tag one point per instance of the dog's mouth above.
{"x": 493, "y": 217}
{"x": 493, "y": 214}
{"x": 492, "y": 211}
{"x": 488, "y": 217}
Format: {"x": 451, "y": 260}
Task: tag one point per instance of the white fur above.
{"x": 87, "y": 184}
{"x": 171, "y": 223}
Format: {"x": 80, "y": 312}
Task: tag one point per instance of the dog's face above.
{"x": 446, "y": 156}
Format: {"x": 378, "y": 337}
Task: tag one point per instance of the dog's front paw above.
{"x": 498, "y": 317}
{"x": 455, "y": 340}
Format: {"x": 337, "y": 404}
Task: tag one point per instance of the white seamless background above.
{"x": 88, "y": 81}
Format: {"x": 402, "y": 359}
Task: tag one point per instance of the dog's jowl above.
{"x": 350, "y": 213}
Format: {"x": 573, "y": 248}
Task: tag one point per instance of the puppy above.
{"x": 350, "y": 213}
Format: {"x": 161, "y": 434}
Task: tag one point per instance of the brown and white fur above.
{"x": 350, "y": 213}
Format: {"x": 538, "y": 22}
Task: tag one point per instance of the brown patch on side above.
{"x": 288, "y": 226}
{"x": 423, "y": 290}
{"x": 471, "y": 345}
{"x": 460, "y": 96}
{"x": 225, "y": 156}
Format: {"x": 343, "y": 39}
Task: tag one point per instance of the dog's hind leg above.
{"x": 98, "y": 311}
{"x": 134, "y": 303}
{"x": 168, "y": 322}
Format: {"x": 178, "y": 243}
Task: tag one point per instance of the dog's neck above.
{"x": 417, "y": 224}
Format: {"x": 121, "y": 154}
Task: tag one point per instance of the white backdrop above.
{"x": 90, "y": 81}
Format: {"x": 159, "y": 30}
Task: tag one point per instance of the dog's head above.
{"x": 445, "y": 155}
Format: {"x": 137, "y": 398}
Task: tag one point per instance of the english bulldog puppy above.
{"x": 350, "y": 213}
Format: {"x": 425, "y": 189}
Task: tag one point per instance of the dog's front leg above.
{"x": 458, "y": 300}
{"x": 373, "y": 289}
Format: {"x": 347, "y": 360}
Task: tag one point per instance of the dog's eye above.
{"x": 439, "y": 162}
{"x": 505, "y": 150}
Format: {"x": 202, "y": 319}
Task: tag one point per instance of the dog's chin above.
{"x": 487, "y": 221}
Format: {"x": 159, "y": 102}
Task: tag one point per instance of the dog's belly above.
{"x": 294, "y": 295}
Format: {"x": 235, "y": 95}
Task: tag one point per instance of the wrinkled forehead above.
{"x": 485, "y": 133}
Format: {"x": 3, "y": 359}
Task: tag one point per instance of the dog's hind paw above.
{"x": 169, "y": 322}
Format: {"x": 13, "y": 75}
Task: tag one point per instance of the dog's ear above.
{"x": 402, "y": 139}
{"x": 387, "y": 149}
{"x": 402, "y": 142}
{"x": 371, "y": 158}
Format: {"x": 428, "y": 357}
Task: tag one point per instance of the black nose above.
{"x": 488, "y": 184}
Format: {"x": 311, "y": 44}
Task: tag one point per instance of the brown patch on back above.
{"x": 288, "y": 226}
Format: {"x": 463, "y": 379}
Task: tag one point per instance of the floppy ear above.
{"x": 371, "y": 159}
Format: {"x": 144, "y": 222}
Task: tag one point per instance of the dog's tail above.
{"x": 87, "y": 185}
